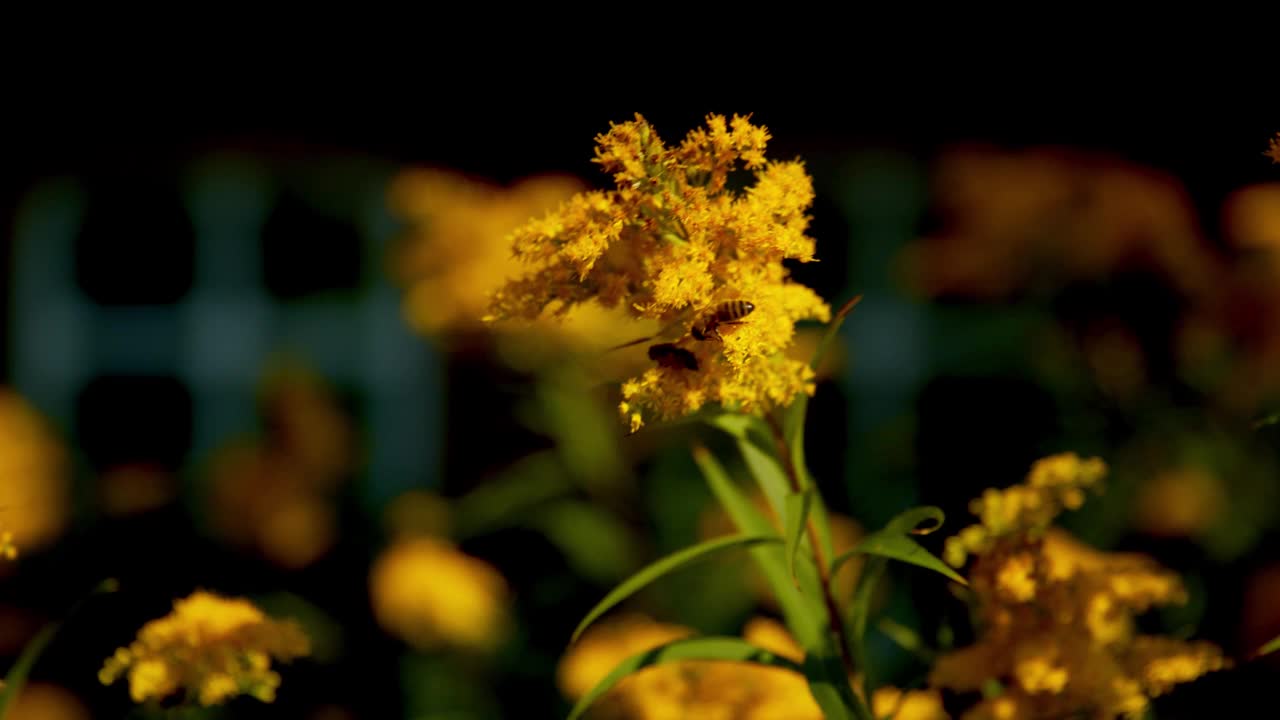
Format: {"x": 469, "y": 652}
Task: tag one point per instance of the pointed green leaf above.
{"x": 797, "y": 515}
{"x": 697, "y": 648}
{"x": 861, "y": 609}
{"x": 892, "y": 542}
{"x": 1271, "y": 646}
{"x": 661, "y": 567}
{"x": 16, "y": 679}
{"x": 793, "y": 420}
{"x": 593, "y": 541}
{"x": 805, "y": 617}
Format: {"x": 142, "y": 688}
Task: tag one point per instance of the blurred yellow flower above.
{"x": 210, "y": 647}
{"x": 1180, "y": 502}
{"x": 42, "y": 701}
{"x": 1056, "y": 617}
{"x": 275, "y": 494}
{"x": 135, "y": 488}
{"x": 430, "y": 594}
{"x": 1014, "y": 219}
{"x": 673, "y": 244}
{"x": 687, "y": 689}
{"x": 33, "y": 485}
{"x": 1273, "y": 150}
{"x": 455, "y": 251}
{"x": 890, "y": 703}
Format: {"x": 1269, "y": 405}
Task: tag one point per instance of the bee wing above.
{"x": 671, "y": 331}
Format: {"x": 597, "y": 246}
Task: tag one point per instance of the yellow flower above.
{"x": 1045, "y": 216}
{"x": 1180, "y": 502}
{"x": 431, "y": 595}
{"x": 1055, "y": 483}
{"x": 42, "y": 701}
{"x": 894, "y": 704}
{"x": 687, "y": 689}
{"x": 275, "y": 495}
{"x": 213, "y": 648}
{"x": 33, "y": 486}
{"x": 1056, "y": 617}
{"x": 673, "y": 244}
{"x": 454, "y": 250}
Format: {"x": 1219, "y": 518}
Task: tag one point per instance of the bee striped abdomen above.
{"x": 726, "y": 313}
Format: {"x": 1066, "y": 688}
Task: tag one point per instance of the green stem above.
{"x": 824, "y": 574}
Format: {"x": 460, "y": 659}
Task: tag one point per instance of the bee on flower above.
{"x": 674, "y": 244}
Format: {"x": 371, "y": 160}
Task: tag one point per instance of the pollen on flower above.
{"x": 211, "y": 648}
{"x": 670, "y": 244}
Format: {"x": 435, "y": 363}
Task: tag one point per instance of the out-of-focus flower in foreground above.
{"x": 672, "y": 243}
{"x": 707, "y": 689}
{"x": 1013, "y": 220}
{"x": 33, "y": 486}
{"x": 1056, "y": 628}
{"x": 211, "y": 648}
{"x": 432, "y": 595}
{"x": 43, "y": 701}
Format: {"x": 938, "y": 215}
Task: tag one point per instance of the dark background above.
{"x": 115, "y": 136}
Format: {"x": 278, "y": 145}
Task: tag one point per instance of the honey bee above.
{"x": 707, "y": 326}
{"x": 726, "y": 313}
{"x": 670, "y": 355}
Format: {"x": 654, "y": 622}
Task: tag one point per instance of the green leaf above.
{"x": 796, "y": 517}
{"x": 17, "y": 677}
{"x": 1271, "y": 646}
{"x": 661, "y": 567}
{"x": 907, "y": 639}
{"x": 494, "y": 505}
{"x": 793, "y": 420}
{"x": 592, "y": 540}
{"x": 892, "y": 542}
{"x": 861, "y": 609}
{"x": 698, "y": 648}
{"x": 805, "y": 617}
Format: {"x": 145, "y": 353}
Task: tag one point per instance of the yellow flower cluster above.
{"x": 33, "y": 487}
{"x": 432, "y": 595}
{"x": 454, "y": 251}
{"x": 1055, "y": 483}
{"x": 672, "y": 243}
{"x": 708, "y": 689}
{"x": 211, "y": 647}
{"x": 1018, "y": 219}
{"x": 275, "y": 495}
{"x": 1056, "y": 617}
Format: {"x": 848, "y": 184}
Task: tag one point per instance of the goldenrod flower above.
{"x": 275, "y": 494}
{"x": 33, "y": 485}
{"x": 1056, "y": 617}
{"x": 432, "y": 595}
{"x": 454, "y": 252}
{"x": 672, "y": 243}
{"x": 211, "y": 648}
{"x": 1046, "y": 216}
